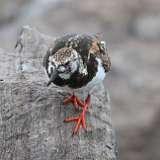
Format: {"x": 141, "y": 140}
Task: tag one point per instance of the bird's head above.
{"x": 63, "y": 63}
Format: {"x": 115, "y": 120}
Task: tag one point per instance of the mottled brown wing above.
{"x": 106, "y": 62}
{"x": 100, "y": 52}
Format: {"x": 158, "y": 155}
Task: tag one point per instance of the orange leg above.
{"x": 80, "y": 120}
{"x": 74, "y": 100}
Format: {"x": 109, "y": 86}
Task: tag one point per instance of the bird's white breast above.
{"x": 100, "y": 75}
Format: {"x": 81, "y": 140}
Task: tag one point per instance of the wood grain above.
{"x": 31, "y": 114}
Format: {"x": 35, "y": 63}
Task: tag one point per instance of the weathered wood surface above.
{"x": 31, "y": 114}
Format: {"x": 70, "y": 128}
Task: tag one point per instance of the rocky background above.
{"x": 132, "y": 32}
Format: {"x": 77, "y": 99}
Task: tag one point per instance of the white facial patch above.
{"x": 65, "y": 76}
{"x": 50, "y": 67}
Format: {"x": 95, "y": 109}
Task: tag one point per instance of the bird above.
{"x": 77, "y": 61}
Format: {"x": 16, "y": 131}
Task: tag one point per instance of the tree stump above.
{"x": 32, "y": 114}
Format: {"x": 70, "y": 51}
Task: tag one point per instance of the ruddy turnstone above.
{"x": 77, "y": 61}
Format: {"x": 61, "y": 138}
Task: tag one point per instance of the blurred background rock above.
{"x": 132, "y": 32}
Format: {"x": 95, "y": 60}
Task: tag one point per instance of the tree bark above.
{"x": 31, "y": 114}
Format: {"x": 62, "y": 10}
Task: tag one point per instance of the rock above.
{"x": 31, "y": 114}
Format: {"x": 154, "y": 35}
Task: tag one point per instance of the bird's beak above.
{"x": 52, "y": 77}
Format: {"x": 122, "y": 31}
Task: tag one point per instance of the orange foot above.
{"x": 80, "y": 120}
{"x": 74, "y": 100}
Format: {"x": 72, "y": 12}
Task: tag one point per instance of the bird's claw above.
{"x": 80, "y": 120}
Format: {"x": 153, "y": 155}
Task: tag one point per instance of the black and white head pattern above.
{"x": 66, "y": 61}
